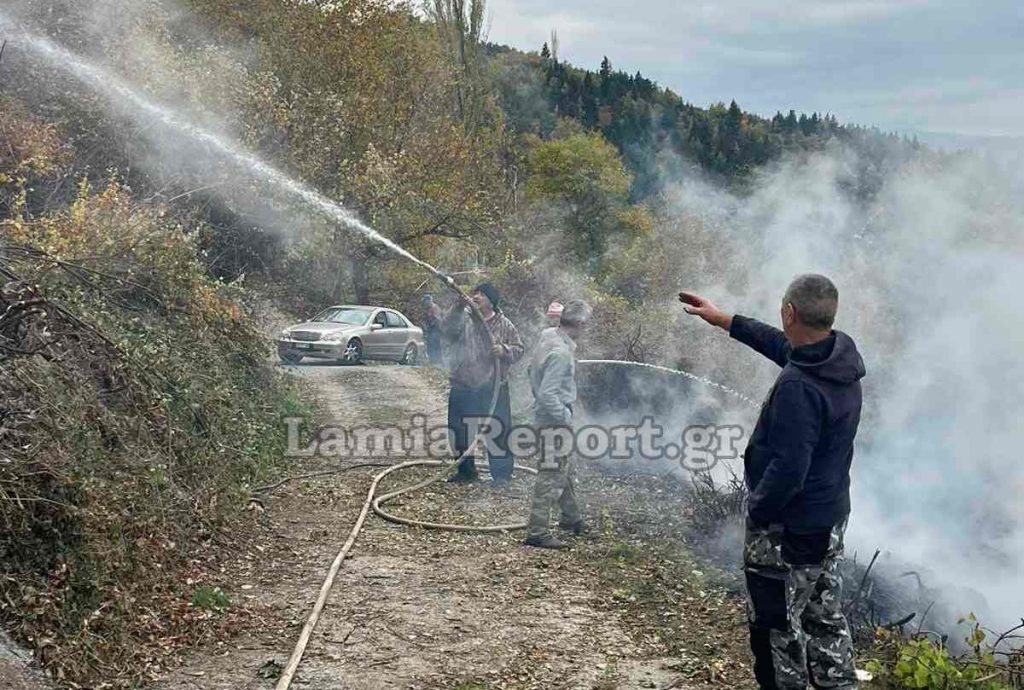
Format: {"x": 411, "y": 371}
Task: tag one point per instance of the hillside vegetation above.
{"x": 137, "y": 412}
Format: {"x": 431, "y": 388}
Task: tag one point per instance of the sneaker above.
{"x": 544, "y": 542}
{"x": 579, "y": 528}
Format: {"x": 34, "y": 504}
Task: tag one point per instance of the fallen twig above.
{"x": 924, "y": 616}
{"x": 406, "y": 639}
{"x": 355, "y": 626}
{"x": 863, "y": 581}
{"x": 901, "y": 622}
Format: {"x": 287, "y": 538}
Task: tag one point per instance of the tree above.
{"x": 545, "y": 52}
{"x": 348, "y": 101}
{"x": 733, "y": 119}
{"x": 606, "y": 68}
{"x": 584, "y": 172}
{"x": 732, "y": 137}
{"x": 459, "y": 25}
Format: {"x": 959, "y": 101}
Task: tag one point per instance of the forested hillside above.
{"x": 472, "y": 155}
{"x": 646, "y": 122}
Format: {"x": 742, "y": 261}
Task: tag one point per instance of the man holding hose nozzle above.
{"x": 473, "y": 380}
{"x": 797, "y": 472}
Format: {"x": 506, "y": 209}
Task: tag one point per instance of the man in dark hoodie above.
{"x": 797, "y": 471}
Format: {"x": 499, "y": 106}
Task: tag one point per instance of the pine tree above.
{"x": 606, "y": 68}
{"x": 734, "y": 116}
{"x": 804, "y": 123}
{"x": 545, "y": 52}
{"x": 731, "y": 135}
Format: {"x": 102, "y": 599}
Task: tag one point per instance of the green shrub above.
{"x": 211, "y": 599}
{"x": 138, "y": 411}
{"x": 926, "y": 663}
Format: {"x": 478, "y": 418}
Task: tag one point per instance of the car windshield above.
{"x": 345, "y": 315}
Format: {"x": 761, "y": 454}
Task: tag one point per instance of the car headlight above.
{"x": 334, "y": 335}
{"x": 286, "y": 334}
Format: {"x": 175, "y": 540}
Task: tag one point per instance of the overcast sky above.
{"x": 951, "y": 66}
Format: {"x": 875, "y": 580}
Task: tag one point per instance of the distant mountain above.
{"x": 646, "y": 122}
{"x": 951, "y": 141}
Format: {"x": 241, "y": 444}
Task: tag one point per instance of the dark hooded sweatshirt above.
{"x": 797, "y": 463}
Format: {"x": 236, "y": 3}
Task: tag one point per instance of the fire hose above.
{"x": 374, "y": 502}
{"x": 107, "y": 84}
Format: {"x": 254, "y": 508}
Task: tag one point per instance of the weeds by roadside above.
{"x": 138, "y": 412}
{"x": 921, "y": 660}
{"x": 672, "y": 602}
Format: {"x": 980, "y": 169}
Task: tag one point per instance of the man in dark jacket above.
{"x": 797, "y": 470}
{"x": 473, "y": 378}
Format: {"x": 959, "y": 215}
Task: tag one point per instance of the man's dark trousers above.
{"x": 466, "y": 403}
{"x": 432, "y": 338}
{"x": 798, "y": 632}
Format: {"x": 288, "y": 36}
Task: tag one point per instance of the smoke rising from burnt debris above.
{"x": 929, "y": 278}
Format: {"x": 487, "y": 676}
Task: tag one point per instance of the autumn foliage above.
{"x": 137, "y": 410}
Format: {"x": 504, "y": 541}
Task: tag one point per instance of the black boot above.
{"x": 467, "y": 472}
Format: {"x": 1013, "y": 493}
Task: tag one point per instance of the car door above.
{"x": 398, "y": 334}
{"x": 375, "y": 343}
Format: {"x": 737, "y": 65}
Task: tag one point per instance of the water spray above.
{"x": 674, "y": 372}
{"x": 118, "y": 91}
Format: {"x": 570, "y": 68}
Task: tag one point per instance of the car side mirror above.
{"x": 376, "y": 326}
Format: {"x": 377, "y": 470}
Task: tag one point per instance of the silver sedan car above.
{"x": 351, "y": 334}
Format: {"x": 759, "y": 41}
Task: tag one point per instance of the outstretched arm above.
{"x": 769, "y": 341}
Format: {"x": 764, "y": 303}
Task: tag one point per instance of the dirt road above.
{"x": 624, "y": 608}
{"x": 17, "y": 670}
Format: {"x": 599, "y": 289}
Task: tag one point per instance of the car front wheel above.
{"x": 411, "y": 355}
{"x": 353, "y": 352}
{"x": 290, "y": 357}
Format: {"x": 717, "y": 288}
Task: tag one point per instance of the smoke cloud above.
{"x": 929, "y": 274}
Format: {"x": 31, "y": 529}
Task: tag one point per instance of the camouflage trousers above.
{"x": 798, "y": 632}
{"x": 555, "y": 486}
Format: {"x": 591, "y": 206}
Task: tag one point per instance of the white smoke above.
{"x": 930, "y": 278}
